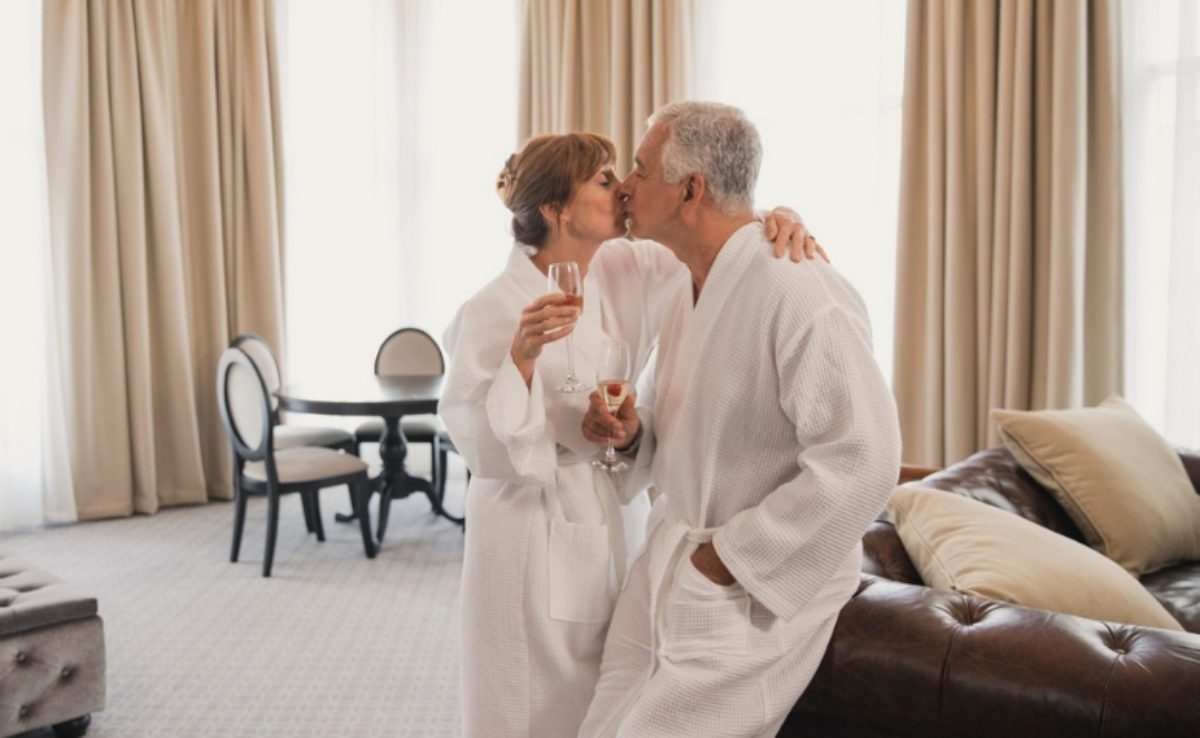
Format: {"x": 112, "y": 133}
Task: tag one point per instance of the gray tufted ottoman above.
{"x": 51, "y": 652}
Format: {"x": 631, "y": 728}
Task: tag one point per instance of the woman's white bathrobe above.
{"x": 547, "y": 538}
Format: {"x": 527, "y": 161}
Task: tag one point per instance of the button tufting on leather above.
{"x": 67, "y": 672}
{"x": 962, "y": 612}
{"x": 21, "y": 657}
{"x": 23, "y": 711}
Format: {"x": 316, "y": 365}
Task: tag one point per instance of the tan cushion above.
{"x": 306, "y": 464}
{"x": 964, "y": 545}
{"x": 291, "y": 436}
{"x": 1115, "y": 476}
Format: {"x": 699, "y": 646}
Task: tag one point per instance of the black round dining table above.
{"x": 390, "y": 398}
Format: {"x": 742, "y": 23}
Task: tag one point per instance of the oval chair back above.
{"x": 409, "y": 351}
{"x": 259, "y": 351}
{"x": 245, "y": 407}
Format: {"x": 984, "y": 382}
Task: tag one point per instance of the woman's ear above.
{"x": 551, "y": 211}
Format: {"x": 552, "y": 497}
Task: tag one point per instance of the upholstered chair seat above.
{"x": 305, "y": 464}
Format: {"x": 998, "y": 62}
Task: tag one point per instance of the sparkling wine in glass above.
{"x": 564, "y": 277}
{"x": 612, "y": 380}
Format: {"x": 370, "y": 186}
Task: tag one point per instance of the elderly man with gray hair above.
{"x": 770, "y": 433}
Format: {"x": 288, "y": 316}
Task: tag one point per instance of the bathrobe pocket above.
{"x": 581, "y": 582}
{"x": 703, "y": 618}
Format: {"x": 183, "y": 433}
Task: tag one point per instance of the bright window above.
{"x": 397, "y": 117}
{"x": 823, "y": 82}
{"x": 23, "y": 222}
{"x": 1161, "y": 90}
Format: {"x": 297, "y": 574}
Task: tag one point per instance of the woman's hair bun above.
{"x": 506, "y": 180}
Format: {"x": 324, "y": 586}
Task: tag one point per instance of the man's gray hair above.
{"x": 719, "y": 142}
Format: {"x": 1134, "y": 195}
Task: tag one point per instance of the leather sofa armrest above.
{"x": 884, "y": 554}
{"x": 914, "y": 472}
{"x": 912, "y": 661}
{"x": 1191, "y": 463}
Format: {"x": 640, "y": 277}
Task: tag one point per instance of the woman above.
{"x": 548, "y": 537}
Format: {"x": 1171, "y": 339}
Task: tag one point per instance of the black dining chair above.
{"x": 261, "y": 468}
{"x": 289, "y": 435}
{"x": 413, "y": 351}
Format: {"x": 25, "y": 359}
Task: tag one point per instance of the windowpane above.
{"x": 397, "y": 118}
{"x": 823, "y": 83}
{"x": 23, "y": 224}
{"x": 1162, "y": 222}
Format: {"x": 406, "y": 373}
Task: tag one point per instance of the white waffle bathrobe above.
{"x": 547, "y": 538}
{"x": 774, "y": 435}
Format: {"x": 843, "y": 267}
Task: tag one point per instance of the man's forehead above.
{"x": 650, "y": 141}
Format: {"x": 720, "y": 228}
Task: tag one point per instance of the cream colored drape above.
{"x": 602, "y": 66}
{"x": 1009, "y": 257}
{"x": 163, "y": 159}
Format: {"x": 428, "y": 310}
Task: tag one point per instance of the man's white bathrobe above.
{"x": 774, "y": 435}
{"x": 547, "y": 538}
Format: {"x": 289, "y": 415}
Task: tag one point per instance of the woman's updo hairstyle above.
{"x": 548, "y": 171}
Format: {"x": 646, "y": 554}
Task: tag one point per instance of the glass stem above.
{"x": 570, "y": 360}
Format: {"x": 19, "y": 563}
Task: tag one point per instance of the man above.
{"x": 772, "y": 437}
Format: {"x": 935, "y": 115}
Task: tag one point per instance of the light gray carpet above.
{"x": 333, "y": 644}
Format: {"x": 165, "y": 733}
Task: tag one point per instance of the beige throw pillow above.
{"x": 967, "y": 546}
{"x": 1115, "y": 476}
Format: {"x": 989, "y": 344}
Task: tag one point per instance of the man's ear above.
{"x": 693, "y": 187}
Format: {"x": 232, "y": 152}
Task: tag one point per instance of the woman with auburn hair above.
{"x": 549, "y": 536}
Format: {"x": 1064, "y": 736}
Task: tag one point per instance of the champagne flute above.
{"x": 612, "y": 379}
{"x": 564, "y": 277}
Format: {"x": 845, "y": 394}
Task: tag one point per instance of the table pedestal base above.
{"x": 395, "y": 483}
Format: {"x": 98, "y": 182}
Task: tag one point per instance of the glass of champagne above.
{"x": 564, "y": 277}
{"x": 612, "y": 380}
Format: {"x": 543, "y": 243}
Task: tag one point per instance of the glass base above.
{"x": 571, "y": 384}
{"x": 615, "y": 465}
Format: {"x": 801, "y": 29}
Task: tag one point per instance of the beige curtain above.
{"x": 1009, "y": 255}
{"x": 602, "y": 66}
{"x": 163, "y": 159}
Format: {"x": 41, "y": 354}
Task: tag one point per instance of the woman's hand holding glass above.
{"x": 546, "y": 319}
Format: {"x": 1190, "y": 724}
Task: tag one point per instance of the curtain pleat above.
{"x": 602, "y": 66}
{"x": 162, "y": 149}
{"x": 1008, "y": 273}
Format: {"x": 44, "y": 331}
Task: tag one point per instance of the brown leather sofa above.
{"x": 907, "y": 660}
